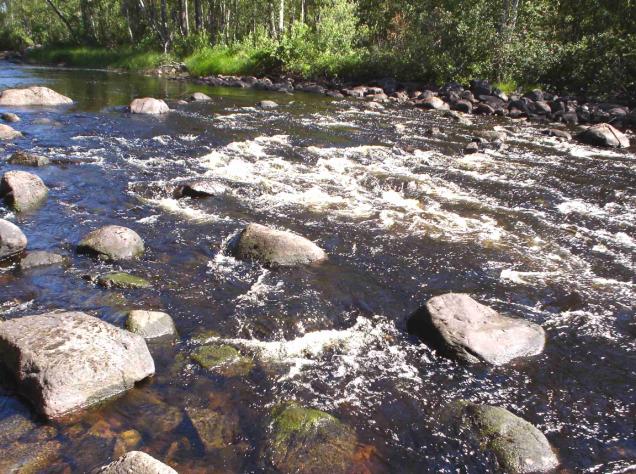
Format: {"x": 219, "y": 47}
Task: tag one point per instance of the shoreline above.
{"x": 478, "y": 98}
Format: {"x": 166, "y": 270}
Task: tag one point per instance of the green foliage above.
{"x": 235, "y": 60}
{"x": 327, "y": 50}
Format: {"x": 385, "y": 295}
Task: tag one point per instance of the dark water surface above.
{"x": 542, "y": 230}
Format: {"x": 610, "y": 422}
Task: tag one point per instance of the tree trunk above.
{"x": 281, "y": 18}
{"x": 63, "y": 18}
{"x": 183, "y": 17}
{"x": 198, "y": 15}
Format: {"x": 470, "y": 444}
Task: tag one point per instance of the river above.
{"x": 541, "y": 229}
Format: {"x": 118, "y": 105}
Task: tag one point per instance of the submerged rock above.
{"x": 112, "y": 242}
{"x": 267, "y": 104}
{"x": 459, "y": 326}
{"x": 216, "y": 429}
{"x": 10, "y": 117}
{"x": 122, "y": 280}
{"x": 149, "y": 106}
{"x": 23, "y": 191}
{"x": 28, "y": 457}
{"x": 8, "y": 133}
{"x": 555, "y": 132}
{"x": 603, "y": 134}
{"x": 136, "y": 462}
{"x": 28, "y": 159}
{"x": 67, "y": 361}
{"x": 275, "y": 247}
{"x": 40, "y": 258}
{"x": 199, "y": 187}
{"x": 199, "y": 97}
{"x": 518, "y": 446}
{"x": 32, "y": 96}
{"x": 309, "y": 441}
{"x": 150, "y": 324}
{"x": 12, "y": 240}
{"x": 222, "y": 358}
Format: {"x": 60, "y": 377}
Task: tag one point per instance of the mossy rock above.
{"x": 204, "y": 334}
{"x": 309, "y": 441}
{"x": 222, "y": 358}
{"x": 122, "y": 280}
{"x": 216, "y": 429}
{"x": 518, "y": 446}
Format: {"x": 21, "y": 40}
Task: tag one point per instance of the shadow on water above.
{"x": 542, "y": 230}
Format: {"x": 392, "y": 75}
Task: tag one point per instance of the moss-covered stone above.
{"x": 309, "y": 440}
{"x": 222, "y": 358}
{"x": 122, "y": 280}
{"x": 518, "y": 446}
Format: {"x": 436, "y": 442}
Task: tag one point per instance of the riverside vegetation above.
{"x": 575, "y": 47}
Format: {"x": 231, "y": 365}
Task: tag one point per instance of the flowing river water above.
{"x": 541, "y": 229}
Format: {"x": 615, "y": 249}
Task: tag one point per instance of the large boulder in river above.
{"x": 112, "y": 242}
{"x": 308, "y": 440}
{"x": 148, "y": 105}
{"x": 267, "y": 104}
{"x": 62, "y": 362}
{"x": 22, "y": 191}
{"x": 518, "y": 446}
{"x": 150, "y": 324}
{"x": 275, "y": 247}
{"x": 603, "y": 134}
{"x": 12, "y": 240}
{"x": 32, "y": 96}
{"x": 460, "y": 327}
{"x": 136, "y": 462}
{"x": 8, "y": 133}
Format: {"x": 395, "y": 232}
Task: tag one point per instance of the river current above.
{"x": 541, "y": 229}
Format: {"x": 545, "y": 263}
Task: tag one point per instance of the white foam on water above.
{"x": 180, "y": 208}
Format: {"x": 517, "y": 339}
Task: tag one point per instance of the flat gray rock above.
{"x": 40, "y": 258}
{"x": 136, "y": 462}
{"x": 23, "y": 191}
{"x": 267, "y": 104}
{"x": 32, "y": 96}
{"x": 148, "y": 105}
{"x": 519, "y": 447}
{"x": 8, "y": 133}
{"x": 113, "y": 242}
{"x": 12, "y": 240}
{"x": 461, "y": 327}
{"x": 200, "y": 97}
{"x": 63, "y": 362}
{"x": 275, "y": 247}
{"x": 150, "y": 324}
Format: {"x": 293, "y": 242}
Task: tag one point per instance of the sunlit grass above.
{"x": 224, "y": 60}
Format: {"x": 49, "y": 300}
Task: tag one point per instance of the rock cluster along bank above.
{"x": 479, "y": 98}
{"x": 65, "y": 361}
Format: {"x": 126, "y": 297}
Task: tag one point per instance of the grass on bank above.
{"x": 121, "y": 58}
